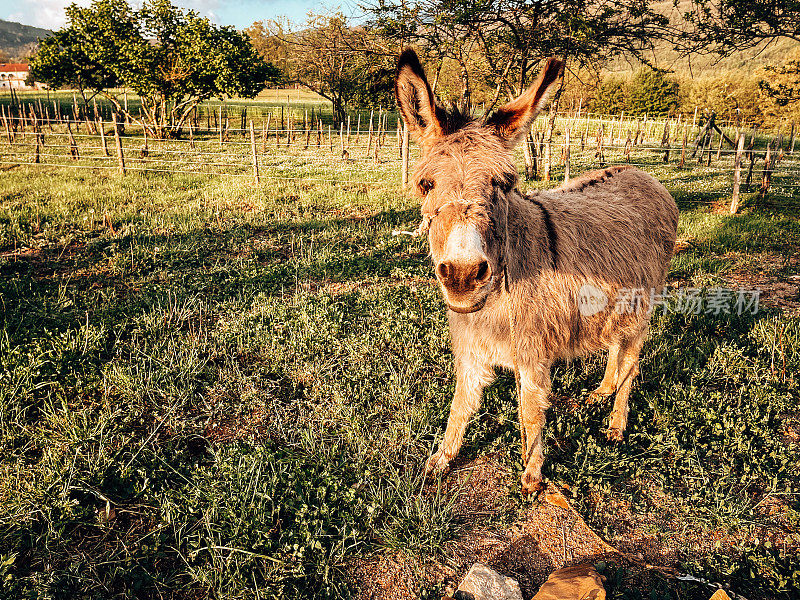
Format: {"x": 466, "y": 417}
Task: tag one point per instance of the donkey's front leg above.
{"x": 534, "y": 402}
{"x": 471, "y": 377}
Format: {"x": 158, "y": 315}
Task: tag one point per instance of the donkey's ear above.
{"x": 415, "y": 99}
{"x": 512, "y": 121}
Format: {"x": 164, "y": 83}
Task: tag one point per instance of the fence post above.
{"x": 73, "y": 147}
{"x": 253, "y": 150}
{"x": 118, "y": 142}
{"x": 665, "y": 141}
{"x": 566, "y": 151}
{"x": 766, "y": 174}
{"x": 38, "y": 142}
{"x": 683, "y": 147}
{"x": 191, "y": 135}
{"x": 404, "y": 151}
{"x": 791, "y": 140}
{"x": 8, "y": 131}
{"x": 103, "y": 137}
{"x": 737, "y": 167}
{"x": 265, "y": 134}
{"x": 369, "y": 136}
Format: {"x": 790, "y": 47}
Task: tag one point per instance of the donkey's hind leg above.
{"x": 609, "y": 384}
{"x": 533, "y": 404}
{"x": 471, "y": 378}
{"x": 628, "y": 370}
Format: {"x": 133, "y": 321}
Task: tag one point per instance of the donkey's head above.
{"x": 464, "y": 177}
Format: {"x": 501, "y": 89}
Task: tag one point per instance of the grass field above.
{"x": 233, "y": 393}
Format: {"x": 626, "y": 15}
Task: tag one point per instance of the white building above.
{"x": 13, "y": 75}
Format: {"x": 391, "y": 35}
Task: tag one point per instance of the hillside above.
{"x": 665, "y": 57}
{"x": 17, "y": 40}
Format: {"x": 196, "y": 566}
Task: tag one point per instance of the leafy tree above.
{"x": 502, "y": 41}
{"x": 612, "y": 96}
{"x": 652, "y": 92}
{"x": 724, "y": 26}
{"x": 62, "y": 61}
{"x": 783, "y": 85}
{"x": 344, "y": 64}
{"x": 172, "y": 59}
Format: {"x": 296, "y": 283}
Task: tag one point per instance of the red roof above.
{"x": 14, "y": 68}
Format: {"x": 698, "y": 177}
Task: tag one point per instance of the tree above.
{"x": 172, "y": 59}
{"x": 652, "y": 92}
{"x": 343, "y": 64}
{"x": 612, "y": 96}
{"x": 783, "y": 85}
{"x": 506, "y": 39}
{"x": 724, "y": 26}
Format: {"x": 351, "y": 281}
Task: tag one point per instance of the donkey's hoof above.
{"x": 615, "y": 434}
{"x": 437, "y": 464}
{"x": 532, "y": 484}
{"x": 598, "y": 395}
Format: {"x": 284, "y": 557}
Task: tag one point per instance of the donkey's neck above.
{"x": 532, "y": 237}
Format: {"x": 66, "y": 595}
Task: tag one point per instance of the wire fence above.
{"x": 369, "y": 153}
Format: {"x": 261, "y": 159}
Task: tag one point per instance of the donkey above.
{"x": 530, "y": 279}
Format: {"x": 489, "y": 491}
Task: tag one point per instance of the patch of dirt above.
{"x": 777, "y": 291}
{"x": 530, "y": 543}
{"x": 541, "y": 538}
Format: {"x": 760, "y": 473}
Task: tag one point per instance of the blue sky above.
{"x": 239, "y": 13}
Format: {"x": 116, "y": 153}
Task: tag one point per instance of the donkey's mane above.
{"x": 592, "y": 178}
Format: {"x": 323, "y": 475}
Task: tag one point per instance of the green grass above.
{"x": 235, "y": 394}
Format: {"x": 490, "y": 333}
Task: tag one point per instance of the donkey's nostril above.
{"x": 443, "y": 270}
{"x": 483, "y": 272}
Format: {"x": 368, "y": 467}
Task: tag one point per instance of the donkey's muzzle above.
{"x": 464, "y": 284}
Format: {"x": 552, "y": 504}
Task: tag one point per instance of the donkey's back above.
{"x": 615, "y": 226}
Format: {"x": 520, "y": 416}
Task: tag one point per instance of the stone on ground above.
{"x": 579, "y": 582}
{"x": 483, "y": 583}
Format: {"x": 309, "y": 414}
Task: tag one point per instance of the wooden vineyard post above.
{"x": 191, "y": 135}
{"x": 265, "y": 134}
{"x": 308, "y": 135}
{"x": 369, "y": 136}
{"x": 719, "y": 148}
{"x": 766, "y": 174}
{"x": 253, "y": 151}
{"x": 358, "y": 129}
{"x": 737, "y": 167}
{"x": 37, "y": 151}
{"x": 548, "y": 151}
{"x": 319, "y": 131}
{"x": 400, "y": 138}
{"x": 348, "y": 132}
{"x": 683, "y": 147}
{"x": 791, "y": 140}
{"x": 665, "y": 141}
{"x": 405, "y": 153}
{"x": 598, "y": 155}
{"x": 118, "y": 142}
{"x": 751, "y": 151}
{"x": 101, "y": 127}
{"x": 220, "y": 125}
{"x": 628, "y": 142}
{"x": 73, "y": 147}
{"x": 330, "y": 138}
{"x": 5, "y": 124}
{"x": 566, "y": 152}
{"x": 341, "y": 137}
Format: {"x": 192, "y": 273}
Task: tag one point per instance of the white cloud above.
{"x": 50, "y": 13}
{"x": 40, "y": 13}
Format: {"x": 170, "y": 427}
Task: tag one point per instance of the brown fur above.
{"x": 613, "y": 229}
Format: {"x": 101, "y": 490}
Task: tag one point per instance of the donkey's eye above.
{"x": 425, "y": 186}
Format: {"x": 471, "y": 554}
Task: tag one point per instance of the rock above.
{"x": 580, "y": 582}
{"x": 483, "y": 583}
